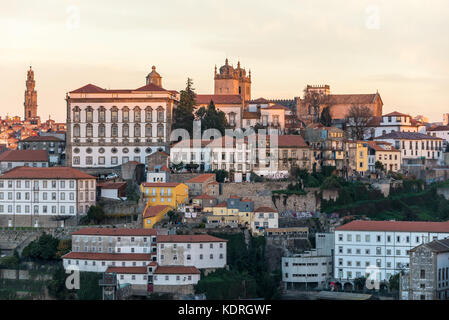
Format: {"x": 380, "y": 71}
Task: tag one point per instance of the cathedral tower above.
{"x": 232, "y": 80}
{"x": 30, "y": 103}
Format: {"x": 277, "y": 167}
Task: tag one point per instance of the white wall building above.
{"x": 19, "y": 158}
{"x": 44, "y": 196}
{"x": 176, "y": 276}
{"x": 200, "y": 251}
{"x": 382, "y": 247}
{"x": 264, "y": 218}
{"x": 106, "y": 128}
{"x": 440, "y": 132}
{"x": 308, "y": 267}
{"x": 415, "y": 147}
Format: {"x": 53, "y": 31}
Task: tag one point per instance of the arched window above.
{"x": 125, "y": 114}
{"x": 148, "y": 130}
{"x": 76, "y": 114}
{"x": 89, "y": 114}
{"x": 101, "y": 130}
{"x": 89, "y": 130}
{"x": 160, "y": 130}
{"x": 125, "y": 130}
{"x": 137, "y": 130}
{"x": 148, "y": 114}
{"x": 101, "y": 114}
{"x": 114, "y": 130}
{"x": 76, "y": 130}
{"x": 137, "y": 117}
{"x": 114, "y": 114}
{"x": 160, "y": 114}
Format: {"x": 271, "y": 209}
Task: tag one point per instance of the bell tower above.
{"x": 30, "y": 104}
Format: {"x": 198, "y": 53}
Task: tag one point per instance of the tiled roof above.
{"x": 398, "y": 226}
{"x": 276, "y": 106}
{"x": 90, "y": 88}
{"x": 189, "y": 238}
{"x": 291, "y": 141}
{"x": 250, "y": 115}
{"x": 351, "y": 98}
{"x": 223, "y": 204}
{"x": 115, "y": 232}
{"x": 439, "y": 128}
{"x": 108, "y": 256}
{"x": 204, "y": 196}
{"x": 437, "y": 245}
{"x": 259, "y": 100}
{"x": 395, "y": 114}
{"x": 41, "y": 139}
{"x": 201, "y": 178}
{"x": 160, "y": 184}
{"x": 150, "y": 87}
{"x": 112, "y": 185}
{"x": 407, "y": 136}
{"x": 127, "y": 270}
{"x": 24, "y": 156}
{"x": 152, "y": 211}
{"x": 265, "y": 209}
{"x": 377, "y": 145}
{"x": 45, "y": 173}
{"x": 218, "y": 98}
{"x": 176, "y": 270}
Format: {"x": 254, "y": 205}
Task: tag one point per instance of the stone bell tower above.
{"x": 30, "y": 104}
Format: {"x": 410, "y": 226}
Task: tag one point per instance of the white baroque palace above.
{"x": 107, "y": 128}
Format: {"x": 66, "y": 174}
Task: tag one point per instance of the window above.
{"x": 423, "y": 274}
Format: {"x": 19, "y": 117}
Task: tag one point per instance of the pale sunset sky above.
{"x": 398, "y": 47}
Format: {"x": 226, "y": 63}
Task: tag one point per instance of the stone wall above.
{"x": 28, "y": 221}
{"x": 176, "y": 290}
{"x": 297, "y": 203}
{"x": 182, "y": 177}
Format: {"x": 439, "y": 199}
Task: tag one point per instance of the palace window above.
{"x": 137, "y": 114}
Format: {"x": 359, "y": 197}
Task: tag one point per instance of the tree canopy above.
{"x": 183, "y": 116}
{"x": 326, "y": 118}
{"x": 357, "y": 121}
{"x": 211, "y": 118}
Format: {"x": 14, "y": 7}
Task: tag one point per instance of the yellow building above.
{"x": 166, "y": 193}
{"x": 154, "y": 214}
{"x": 222, "y": 209}
{"x": 362, "y": 157}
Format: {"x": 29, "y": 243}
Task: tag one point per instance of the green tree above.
{"x": 64, "y": 247}
{"x": 379, "y": 166}
{"x": 221, "y": 175}
{"x": 326, "y": 118}
{"x": 89, "y": 288}
{"x": 95, "y": 215}
{"x": 177, "y": 166}
{"x": 44, "y": 248}
{"x": 183, "y": 116}
{"x": 57, "y": 288}
{"x": 211, "y": 118}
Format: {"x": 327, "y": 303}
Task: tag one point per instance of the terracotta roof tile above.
{"x": 127, "y": 270}
{"x": 160, "y": 184}
{"x": 204, "y": 196}
{"x": 112, "y": 185}
{"x": 188, "y": 238}
{"x": 176, "y": 270}
{"x": 351, "y": 98}
{"x": 439, "y": 128}
{"x": 45, "y": 173}
{"x": 201, "y": 178}
{"x": 291, "y": 141}
{"x": 405, "y": 226}
{"x": 265, "y": 209}
{"x": 115, "y": 232}
{"x": 24, "y": 156}
{"x": 407, "y": 136}
{"x": 108, "y": 256}
{"x": 41, "y": 139}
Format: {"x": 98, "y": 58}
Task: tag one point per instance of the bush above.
{"x": 95, "y": 215}
{"x": 9, "y": 261}
{"x": 44, "y": 248}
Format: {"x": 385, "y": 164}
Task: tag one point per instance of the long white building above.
{"x": 382, "y": 247}
{"x": 200, "y": 251}
{"x": 45, "y": 197}
{"x": 106, "y": 128}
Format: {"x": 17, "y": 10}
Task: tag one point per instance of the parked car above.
{"x": 112, "y": 176}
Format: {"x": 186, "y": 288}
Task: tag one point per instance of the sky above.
{"x": 399, "y": 48}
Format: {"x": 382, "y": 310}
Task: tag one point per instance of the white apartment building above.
{"x": 107, "y": 128}
{"x": 307, "y": 268}
{"x": 226, "y": 153}
{"x": 19, "y": 158}
{"x": 200, "y": 251}
{"x": 264, "y": 218}
{"x": 385, "y": 153}
{"x": 380, "y": 247}
{"x": 397, "y": 122}
{"x": 415, "y": 147}
{"x": 176, "y": 276}
{"x": 45, "y": 197}
{"x": 440, "y": 132}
